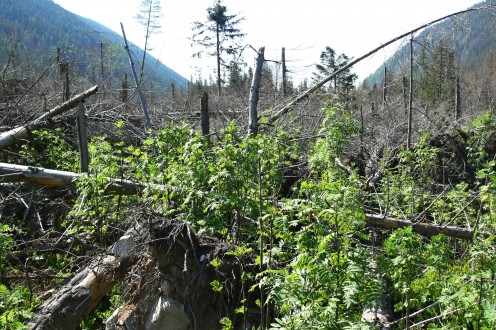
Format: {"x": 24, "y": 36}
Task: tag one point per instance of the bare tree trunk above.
{"x": 219, "y": 84}
{"x": 204, "y": 119}
{"x": 84, "y": 157}
{"x": 67, "y": 88}
{"x": 405, "y": 94}
{"x": 284, "y": 71}
{"x": 421, "y": 227}
{"x": 138, "y": 86}
{"x": 54, "y": 178}
{"x": 254, "y": 91}
{"x": 145, "y": 49}
{"x": 458, "y": 100}
{"x": 410, "y": 99}
{"x": 384, "y": 89}
{"x": 102, "y": 76}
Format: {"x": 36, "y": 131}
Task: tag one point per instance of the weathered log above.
{"x": 169, "y": 282}
{"x": 61, "y": 179}
{"x": 172, "y": 286}
{"x": 10, "y": 137}
{"x": 76, "y": 299}
{"x": 378, "y": 220}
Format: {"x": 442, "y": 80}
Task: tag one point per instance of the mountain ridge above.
{"x": 469, "y": 35}
{"x": 42, "y": 27}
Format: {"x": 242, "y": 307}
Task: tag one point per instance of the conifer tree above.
{"x": 219, "y": 32}
{"x": 330, "y": 62}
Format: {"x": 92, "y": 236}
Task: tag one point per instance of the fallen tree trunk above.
{"x": 377, "y": 220}
{"x": 10, "y": 137}
{"x": 54, "y": 178}
{"x": 168, "y": 284}
{"x": 61, "y": 179}
{"x": 76, "y": 299}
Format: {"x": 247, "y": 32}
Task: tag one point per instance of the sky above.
{"x": 304, "y": 28}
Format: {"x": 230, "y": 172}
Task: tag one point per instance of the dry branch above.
{"x": 10, "y": 137}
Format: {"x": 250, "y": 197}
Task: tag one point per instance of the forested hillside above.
{"x": 248, "y": 203}
{"x": 94, "y": 52}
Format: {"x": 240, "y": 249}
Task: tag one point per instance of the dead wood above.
{"x": 76, "y": 299}
{"x": 166, "y": 275}
{"x": 377, "y": 220}
{"x": 60, "y": 179}
{"x": 10, "y": 137}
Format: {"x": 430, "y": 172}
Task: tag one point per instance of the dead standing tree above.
{"x": 254, "y": 93}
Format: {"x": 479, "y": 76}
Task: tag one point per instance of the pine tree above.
{"x": 437, "y": 83}
{"x": 329, "y": 63}
{"x": 219, "y": 31}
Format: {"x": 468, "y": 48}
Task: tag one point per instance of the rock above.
{"x": 167, "y": 314}
{"x": 124, "y": 246}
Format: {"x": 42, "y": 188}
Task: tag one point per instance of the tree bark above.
{"x": 84, "y": 158}
{"x": 254, "y": 92}
{"x": 204, "y": 117}
{"x": 76, "y": 299}
{"x": 60, "y": 179}
{"x": 10, "y": 137}
{"x": 219, "y": 81}
{"x": 410, "y": 98}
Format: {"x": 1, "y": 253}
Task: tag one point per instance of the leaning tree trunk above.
{"x": 10, "y": 137}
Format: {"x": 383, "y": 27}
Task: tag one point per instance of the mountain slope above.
{"x": 472, "y": 36}
{"x": 43, "y": 26}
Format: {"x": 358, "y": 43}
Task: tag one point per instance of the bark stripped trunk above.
{"x": 59, "y": 179}
{"x": 254, "y": 92}
{"x": 377, "y": 220}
